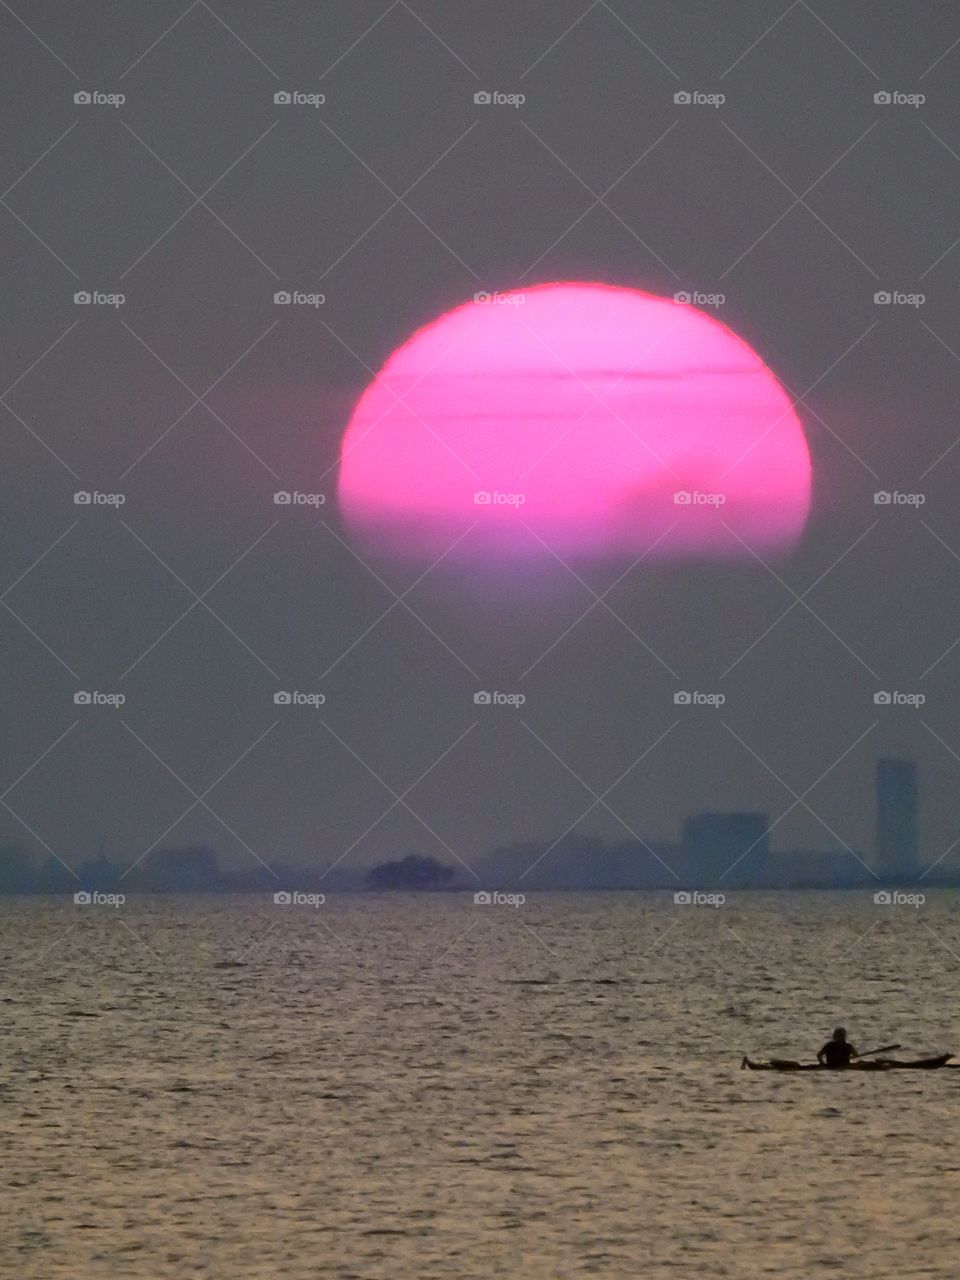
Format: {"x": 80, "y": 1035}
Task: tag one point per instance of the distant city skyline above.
{"x": 730, "y": 849}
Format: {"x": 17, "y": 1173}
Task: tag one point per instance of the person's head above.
{"x": 840, "y": 1034}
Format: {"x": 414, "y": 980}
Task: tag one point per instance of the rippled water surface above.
{"x": 422, "y": 1087}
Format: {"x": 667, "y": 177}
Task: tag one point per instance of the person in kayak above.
{"x": 837, "y": 1052}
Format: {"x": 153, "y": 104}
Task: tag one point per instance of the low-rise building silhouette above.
{"x": 897, "y": 850}
{"x": 732, "y": 847}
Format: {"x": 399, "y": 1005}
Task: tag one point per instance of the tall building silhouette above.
{"x": 896, "y": 848}
{"x": 713, "y": 843}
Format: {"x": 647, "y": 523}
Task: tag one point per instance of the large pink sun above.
{"x": 577, "y": 419}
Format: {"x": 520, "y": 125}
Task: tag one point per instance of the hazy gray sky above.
{"x": 197, "y": 198}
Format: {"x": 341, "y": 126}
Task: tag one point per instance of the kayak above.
{"x": 866, "y": 1064}
{"x": 875, "y": 1064}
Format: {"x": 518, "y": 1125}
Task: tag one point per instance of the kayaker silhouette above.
{"x": 837, "y": 1052}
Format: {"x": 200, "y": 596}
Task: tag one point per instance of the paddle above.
{"x": 870, "y": 1053}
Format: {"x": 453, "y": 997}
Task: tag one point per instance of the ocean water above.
{"x": 418, "y": 1086}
